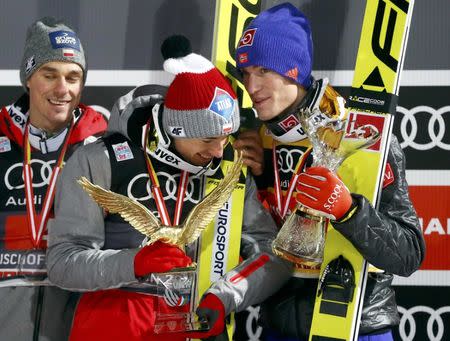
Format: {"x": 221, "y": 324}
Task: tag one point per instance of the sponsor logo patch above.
{"x": 122, "y": 151}
{"x": 362, "y": 125}
{"x": 289, "y": 122}
{"x": 64, "y": 39}
{"x": 243, "y": 57}
{"x": 223, "y": 105}
{"x": 5, "y": 144}
{"x": 177, "y": 131}
{"x": 388, "y": 176}
{"x": 68, "y": 53}
{"x": 247, "y": 38}
{"x": 30, "y": 64}
{"x": 292, "y": 73}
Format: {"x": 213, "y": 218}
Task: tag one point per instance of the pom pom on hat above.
{"x": 200, "y": 102}
{"x": 278, "y": 39}
{"x": 175, "y": 47}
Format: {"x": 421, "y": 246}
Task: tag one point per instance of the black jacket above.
{"x": 390, "y": 239}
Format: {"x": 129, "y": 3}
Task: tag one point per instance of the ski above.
{"x": 372, "y": 102}
{"x": 230, "y": 19}
{"x": 231, "y": 16}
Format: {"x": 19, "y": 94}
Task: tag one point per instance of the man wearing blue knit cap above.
{"x": 275, "y": 57}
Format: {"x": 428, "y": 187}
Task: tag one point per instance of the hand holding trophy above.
{"x": 162, "y": 263}
{"x": 322, "y": 195}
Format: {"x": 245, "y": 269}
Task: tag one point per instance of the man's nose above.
{"x": 251, "y": 83}
{"x": 216, "y": 149}
{"x": 61, "y": 86}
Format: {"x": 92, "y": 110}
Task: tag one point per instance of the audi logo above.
{"x": 41, "y": 173}
{"x": 407, "y": 327}
{"x": 435, "y": 321}
{"x": 287, "y": 159}
{"x": 170, "y": 184}
{"x": 434, "y": 128}
{"x": 251, "y": 324}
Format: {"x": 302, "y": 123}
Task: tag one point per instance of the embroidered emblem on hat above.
{"x": 223, "y": 105}
{"x": 292, "y": 73}
{"x": 243, "y": 57}
{"x": 177, "y": 131}
{"x": 5, "y": 144}
{"x": 68, "y": 53}
{"x": 30, "y": 64}
{"x": 122, "y": 151}
{"x": 62, "y": 39}
{"x": 247, "y": 38}
{"x": 388, "y": 175}
{"x": 289, "y": 122}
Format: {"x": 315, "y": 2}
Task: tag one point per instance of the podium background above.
{"x": 122, "y": 40}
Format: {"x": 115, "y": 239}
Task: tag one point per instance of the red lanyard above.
{"x": 283, "y": 203}
{"x": 37, "y": 223}
{"x": 156, "y": 189}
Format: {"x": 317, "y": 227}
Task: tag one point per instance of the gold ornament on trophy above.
{"x": 143, "y": 220}
{"x": 173, "y": 289}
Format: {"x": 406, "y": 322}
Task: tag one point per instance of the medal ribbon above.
{"x": 283, "y": 203}
{"x": 156, "y": 189}
{"x": 37, "y": 223}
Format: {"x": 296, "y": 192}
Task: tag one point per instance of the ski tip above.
{"x": 175, "y": 46}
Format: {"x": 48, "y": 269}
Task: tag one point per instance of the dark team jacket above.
{"x": 389, "y": 238}
{"x": 33, "y": 306}
{"x": 127, "y": 179}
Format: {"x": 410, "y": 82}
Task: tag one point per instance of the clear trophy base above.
{"x": 301, "y": 240}
{"x": 174, "y": 308}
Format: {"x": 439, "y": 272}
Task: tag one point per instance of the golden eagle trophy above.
{"x": 173, "y": 289}
{"x": 143, "y": 220}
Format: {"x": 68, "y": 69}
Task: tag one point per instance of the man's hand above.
{"x": 159, "y": 257}
{"x": 249, "y": 142}
{"x": 322, "y": 190}
{"x": 210, "y": 308}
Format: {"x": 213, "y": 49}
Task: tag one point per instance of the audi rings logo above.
{"x": 287, "y": 159}
{"x": 435, "y": 322}
{"x": 41, "y": 173}
{"x": 251, "y": 324}
{"x": 420, "y": 121}
{"x": 170, "y": 184}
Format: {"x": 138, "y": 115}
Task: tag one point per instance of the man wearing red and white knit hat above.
{"x": 166, "y": 148}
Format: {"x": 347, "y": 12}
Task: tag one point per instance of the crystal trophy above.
{"x": 174, "y": 292}
{"x": 301, "y": 239}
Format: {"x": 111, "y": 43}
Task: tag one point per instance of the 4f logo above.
{"x": 177, "y": 131}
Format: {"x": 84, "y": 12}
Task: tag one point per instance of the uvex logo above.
{"x": 333, "y": 197}
{"x": 167, "y": 157}
{"x": 18, "y": 118}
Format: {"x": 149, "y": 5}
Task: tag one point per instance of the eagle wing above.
{"x": 202, "y": 214}
{"x": 141, "y": 218}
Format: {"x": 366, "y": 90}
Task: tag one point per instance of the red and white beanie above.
{"x": 200, "y": 102}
